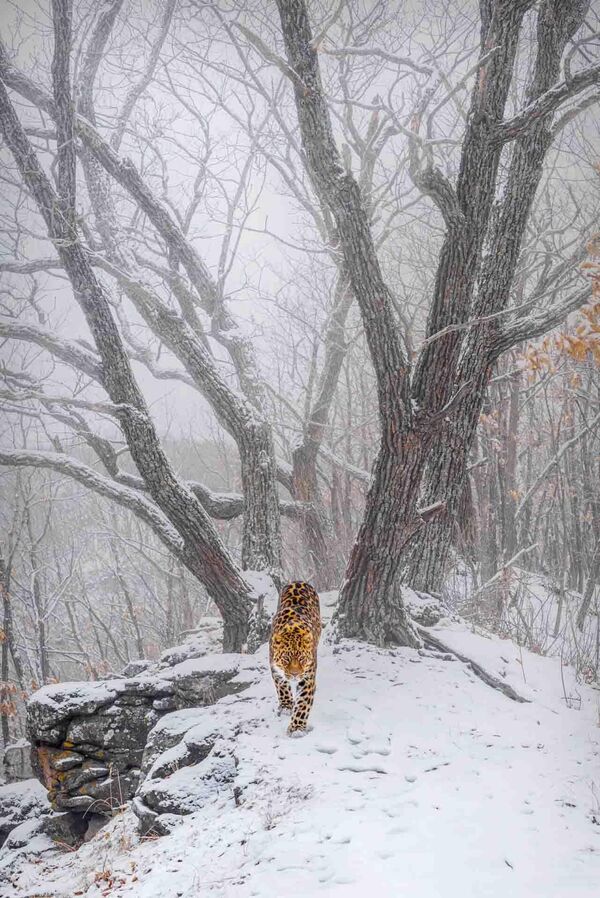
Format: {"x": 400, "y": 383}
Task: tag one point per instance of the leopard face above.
{"x": 293, "y": 645}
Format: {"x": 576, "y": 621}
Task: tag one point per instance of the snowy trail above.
{"x": 416, "y": 779}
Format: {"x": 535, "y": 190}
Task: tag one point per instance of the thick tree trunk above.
{"x": 557, "y": 22}
{"x": 316, "y": 527}
{"x": 261, "y": 535}
{"x": 371, "y": 605}
{"x": 426, "y": 557}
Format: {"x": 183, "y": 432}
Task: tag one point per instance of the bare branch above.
{"x": 541, "y": 322}
{"x": 68, "y": 351}
{"x": 405, "y": 61}
{"x": 136, "y": 90}
{"x": 269, "y": 56}
{"x": 547, "y": 104}
{"x": 124, "y": 496}
{"x": 568, "y": 444}
{"x": 31, "y": 267}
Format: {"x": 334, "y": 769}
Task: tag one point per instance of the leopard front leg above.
{"x": 284, "y": 690}
{"x": 304, "y": 700}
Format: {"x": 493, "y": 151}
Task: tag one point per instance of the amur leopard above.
{"x": 295, "y": 633}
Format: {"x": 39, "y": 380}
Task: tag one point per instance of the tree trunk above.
{"x": 557, "y": 22}
{"x": 317, "y": 529}
{"x": 426, "y": 557}
{"x": 5, "y": 647}
{"x": 261, "y": 535}
{"x": 592, "y": 582}
{"x": 371, "y": 605}
{"x": 202, "y": 550}
{"x": 261, "y": 531}
{"x": 510, "y": 469}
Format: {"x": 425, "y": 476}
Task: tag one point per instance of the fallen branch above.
{"x": 433, "y": 642}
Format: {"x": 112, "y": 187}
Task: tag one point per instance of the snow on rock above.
{"x": 89, "y": 739}
{"x": 423, "y": 608}
{"x": 206, "y": 639}
{"x": 16, "y": 761}
{"x": 416, "y": 778}
{"x": 20, "y": 802}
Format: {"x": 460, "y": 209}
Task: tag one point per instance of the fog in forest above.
{"x": 296, "y": 291}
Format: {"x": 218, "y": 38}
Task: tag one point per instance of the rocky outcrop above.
{"x": 20, "y": 803}
{"x": 189, "y": 758}
{"x": 90, "y": 740}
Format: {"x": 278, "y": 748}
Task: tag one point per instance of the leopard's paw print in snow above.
{"x": 293, "y": 645}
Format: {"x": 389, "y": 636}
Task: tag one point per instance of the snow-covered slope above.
{"x": 417, "y": 779}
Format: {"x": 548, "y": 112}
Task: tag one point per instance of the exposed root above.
{"x": 434, "y": 643}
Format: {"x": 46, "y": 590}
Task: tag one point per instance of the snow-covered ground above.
{"x": 416, "y": 779}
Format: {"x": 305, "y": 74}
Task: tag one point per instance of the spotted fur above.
{"x": 293, "y": 645}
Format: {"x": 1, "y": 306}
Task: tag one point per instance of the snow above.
{"x": 536, "y": 614}
{"x": 263, "y": 587}
{"x": 64, "y": 698}
{"x": 416, "y": 778}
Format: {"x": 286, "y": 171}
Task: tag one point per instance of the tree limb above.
{"x": 124, "y": 496}
{"x": 68, "y": 351}
{"x": 546, "y": 104}
{"x": 540, "y": 323}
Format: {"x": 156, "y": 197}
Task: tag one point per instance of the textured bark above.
{"x": 317, "y": 527}
{"x": 204, "y": 553}
{"x": 261, "y": 530}
{"x": 460, "y": 256}
{"x": 370, "y": 605}
{"x": 510, "y": 538}
{"x": 446, "y": 472}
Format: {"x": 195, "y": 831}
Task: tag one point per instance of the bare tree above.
{"x": 193, "y": 534}
{"x": 453, "y": 369}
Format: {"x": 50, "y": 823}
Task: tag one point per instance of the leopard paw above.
{"x": 295, "y": 733}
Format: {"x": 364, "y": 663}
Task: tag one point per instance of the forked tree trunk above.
{"x": 426, "y": 557}
{"x": 261, "y": 530}
{"x": 371, "y": 605}
{"x": 199, "y": 545}
{"x": 558, "y": 21}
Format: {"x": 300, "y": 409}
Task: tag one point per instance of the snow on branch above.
{"x": 539, "y": 323}
{"x": 124, "y": 496}
{"x": 69, "y": 351}
{"x": 377, "y": 53}
{"x": 547, "y": 103}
